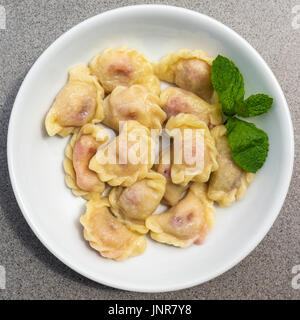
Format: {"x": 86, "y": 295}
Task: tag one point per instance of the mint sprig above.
{"x": 255, "y": 105}
{"x": 228, "y": 82}
{"x": 249, "y": 145}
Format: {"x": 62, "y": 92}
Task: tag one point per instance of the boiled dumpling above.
{"x": 133, "y": 205}
{"x": 184, "y": 171}
{"x": 124, "y": 67}
{"x": 175, "y": 100}
{"x": 173, "y": 191}
{"x": 79, "y": 151}
{"x": 188, "y": 69}
{"x": 187, "y": 222}
{"x": 78, "y": 103}
{"x": 128, "y": 158}
{"x": 106, "y": 234}
{"x": 229, "y": 182}
{"x": 133, "y": 103}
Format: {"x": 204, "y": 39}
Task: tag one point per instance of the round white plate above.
{"x": 35, "y": 160}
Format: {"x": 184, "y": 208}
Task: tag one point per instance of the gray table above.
{"x": 32, "y": 271}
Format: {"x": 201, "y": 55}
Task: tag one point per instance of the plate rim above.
{"x": 187, "y": 284}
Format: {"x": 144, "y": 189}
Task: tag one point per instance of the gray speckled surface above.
{"x": 33, "y": 272}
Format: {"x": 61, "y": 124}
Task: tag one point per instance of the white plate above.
{"x": 35, "y": 160}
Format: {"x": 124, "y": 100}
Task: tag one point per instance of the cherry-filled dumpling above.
{"x": 106, "y": 234}
{"x": 175, "y": 100}
{"x": 188, "y": 222}
{"x": 124, "y": 67}
{"x": 173, "y": 191}
{"x": 194, "y": 158}
{"x": 128, "y": 158}
{"x": 133, "y": 103}
{"x": 78, "y": 103}
{"x": 188, "y": 69}
{"x": 229, "y": 183}
{"x": 134, "y": 204}
{"x": 79, "y": 151}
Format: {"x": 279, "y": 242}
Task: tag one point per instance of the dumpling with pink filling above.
{"x": 195, "y": 152}
{"x": 128, "y": 158}
{"x": 78, "y": 103}
{"x": 189, "y": 70}
{"x": 186, "y": 223}
{"x": 229, "y": 183}
{"x": 124, "y": 67}
{"x": 173, "y": 192}
{"x": 133, "y": 103}
{"x": 133, "y": 205}
{"x": 106, "y": 234}
{"x": 175, "y": 100}
{"x": 79, "y": 151}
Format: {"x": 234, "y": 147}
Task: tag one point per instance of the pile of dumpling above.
{"x": 120, "y": 84}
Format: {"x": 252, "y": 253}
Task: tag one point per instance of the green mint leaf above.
{"x": 254, "y": 105}
{"x": 249, "y": 145}
{"x": 228, "y": 83}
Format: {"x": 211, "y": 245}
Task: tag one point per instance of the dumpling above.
{"x": 133, "y": 103}
{"x": 187, "y": 222}
{"x": 229, "y": 183}
{"x": 188, "y": 69}
{"x": 133, "y": 205}
{"x": 175, "y": 100}
{"x": 79, "y": 151}
{"x": 183, "y": 170}
{"x": 79, "y": 102}
{"x": 106, "y": 234}
{"x": 128, "y": 158}
{"x": 173, "y": 191}
{"x": 124, "y": 67}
